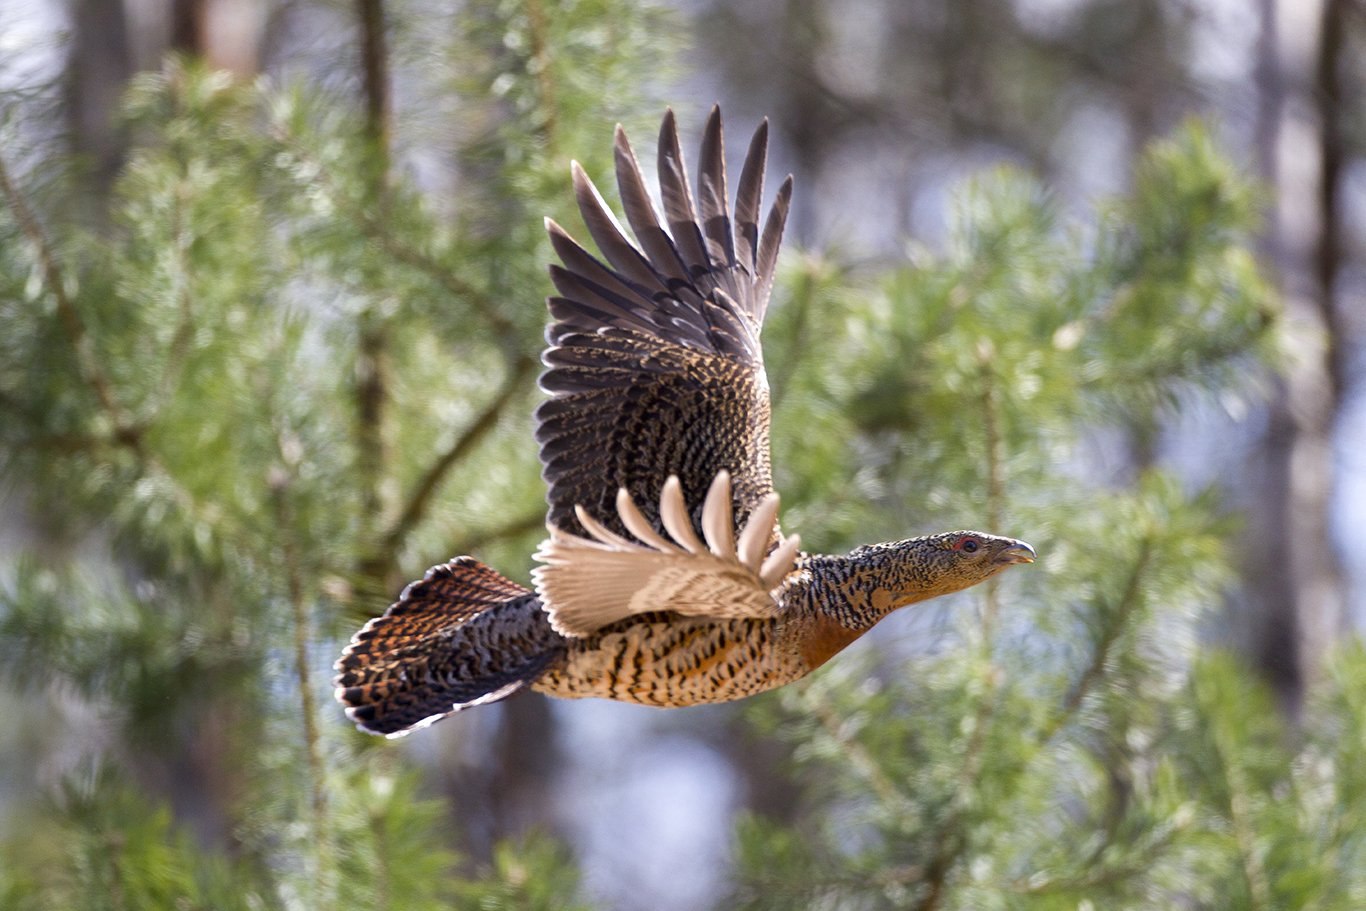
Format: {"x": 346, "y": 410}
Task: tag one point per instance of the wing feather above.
{"x": 607, "y": 233}
{"x": 654, "y": 364}
{"x": 772, "y": 238}
{"x": 747, "y": 201}
{"x": 677, "y": 198}
{"x": 711, "y": 194}
{"x": 589, "y": 582}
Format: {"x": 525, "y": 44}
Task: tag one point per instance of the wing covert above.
{"x": 590, "y": 582}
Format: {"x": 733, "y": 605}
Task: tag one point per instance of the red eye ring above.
{"x": 967, "y": 544}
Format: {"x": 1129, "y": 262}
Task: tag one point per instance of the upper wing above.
{"x": 655, "y": 367}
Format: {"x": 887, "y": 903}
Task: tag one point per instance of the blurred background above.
{"x": 272, "y": 295}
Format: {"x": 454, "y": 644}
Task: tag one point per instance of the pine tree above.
{"x": 280, "y": 374}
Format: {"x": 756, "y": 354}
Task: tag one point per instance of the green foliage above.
{"x": 535, "y": 875}
{"x": 101, "y": 846}
{"x": 282, "y": 375}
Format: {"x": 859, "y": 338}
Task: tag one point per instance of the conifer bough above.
{"x": 665, "y": 579}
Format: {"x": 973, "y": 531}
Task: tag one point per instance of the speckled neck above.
{"x": 860, "y": 588}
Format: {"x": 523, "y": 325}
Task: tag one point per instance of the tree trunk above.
{"x": 98, "y": 68}
{"x": 1296, "y": 590}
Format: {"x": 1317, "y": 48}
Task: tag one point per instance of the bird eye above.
{"x": 968, "y": 545}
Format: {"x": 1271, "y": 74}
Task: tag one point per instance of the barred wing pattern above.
{"x": 460, "y": 636}
{"x": 656, "y": 372}
{"x": 654, "y": 361}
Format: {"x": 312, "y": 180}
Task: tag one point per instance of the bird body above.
{"x": 826, "y": 604}
{"x": 665, "y": 578}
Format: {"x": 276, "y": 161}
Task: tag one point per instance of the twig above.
{"x": 420, "y": 499}
{"x": 1096, "y": 669}
{"x": 372, "y": 361}
{"x": 510, "y": 529}
{"x": 308, "y": 708}
{"x": 862, "y": 760}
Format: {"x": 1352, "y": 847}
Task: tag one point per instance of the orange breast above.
{"x": 824, "y": 639}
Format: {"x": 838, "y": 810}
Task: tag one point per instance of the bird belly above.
{"x": 672, "y": 662}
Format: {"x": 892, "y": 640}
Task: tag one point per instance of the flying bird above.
{"x": 665, "y": 579}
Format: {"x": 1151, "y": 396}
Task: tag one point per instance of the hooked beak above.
{"x": 1019, "y": 552}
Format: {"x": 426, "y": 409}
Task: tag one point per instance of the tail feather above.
{"x": 463, "y": 635}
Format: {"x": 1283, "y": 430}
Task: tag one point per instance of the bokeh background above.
{"x": 273, "y": 284}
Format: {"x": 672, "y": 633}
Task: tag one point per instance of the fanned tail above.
{"x": 463, "y": 635}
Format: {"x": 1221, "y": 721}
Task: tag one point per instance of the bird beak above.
{"x": 1019, "y": 552}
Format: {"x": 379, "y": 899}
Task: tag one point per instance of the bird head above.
{"x": 927, "y": 567}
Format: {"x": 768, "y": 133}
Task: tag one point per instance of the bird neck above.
{"x": 841, "y": 598}
{"x": 861, "y": 588}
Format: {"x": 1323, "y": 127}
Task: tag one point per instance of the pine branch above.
{"x": 380, "y": 833}
{"x": 308, "y": 709}
{"x": 802, "y": 298}
{"x": 1098, "y": 874}
{"x": 995, "y": 454}
{"x": 510, "y": 529}
{"x": 376, "y": 232}
{"x": 372, "y": 360}
{"x": 444, "y": 276}
{"x": 539, "y": 64}
{"x": 125, "y": 432}
{"x": 1095, "y": 670}
{"x": 1245, "y": 834}
{"x": 179, "y": 349}
{"x": 859, "y": 757}
{"x": 415, "y": 510}
{"x": 951, "y": 840}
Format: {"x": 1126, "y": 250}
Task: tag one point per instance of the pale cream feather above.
{"x": 587, "y": 583}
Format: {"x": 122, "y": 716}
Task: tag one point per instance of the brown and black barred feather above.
{"x": 461, "y": 635}
{"x": 655, "y": 366}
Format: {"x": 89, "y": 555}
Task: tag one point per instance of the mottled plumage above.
{"x": 665, "y": 579}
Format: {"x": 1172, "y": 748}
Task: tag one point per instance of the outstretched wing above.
{"x": 655, "y": 367}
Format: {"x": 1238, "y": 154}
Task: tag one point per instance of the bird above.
{"x": 665, "y": 578}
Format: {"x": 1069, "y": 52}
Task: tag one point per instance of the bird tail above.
{"x": 463, "y": 635}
